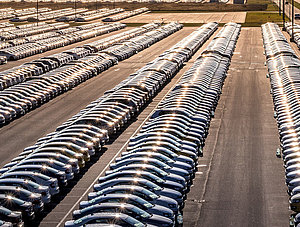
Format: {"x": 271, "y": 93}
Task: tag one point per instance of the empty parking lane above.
{"x": 240, "y": 181}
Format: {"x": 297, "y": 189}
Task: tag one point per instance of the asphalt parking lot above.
{"x": 12, "y": 64}
{"x": 58, "y": 216}
{"x": 63, "y": 107}
{"x": 239, "y": 180}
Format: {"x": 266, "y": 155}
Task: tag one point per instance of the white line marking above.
{"x": 203, "y": 165}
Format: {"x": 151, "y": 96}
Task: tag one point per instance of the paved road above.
{"x": 240, "y": 182}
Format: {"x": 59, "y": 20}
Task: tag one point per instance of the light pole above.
{"x": 37, "y": 12}
{"x": 289, "y": 10}
{"x": 75, "y": 6}
{"x": 283, "y": 14}
{"x": 279, "y": 5}
{"x": 292, "y": 37}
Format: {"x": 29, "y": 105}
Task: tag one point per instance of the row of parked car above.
{"x": 56, "y": 14}
{"x": 24, "y": 72}
{"x": 28, "y": 11}
{"x": 29, "y": 25}
{"x": 8, "y": 13}
{"x": 21, "y": 98}
{"x": 102, "y": 44}
{"x": 148, "y": 184}
{"x": 47, "y": 15}
{"x": 57, "y": 157}
{"x": 3, "y": 60}
{"x": 53, "y": 40}
{"x": 288, "y": 26}
{"x": 35, "y": 68}
{"x": 125, "y": 15}
{"x": 5, "y": 25}
{"x": 25, "y": 31}
{"x": 283, "y": 71}
{"x": 96, "y": 14}
{"x": 52, "y": 136}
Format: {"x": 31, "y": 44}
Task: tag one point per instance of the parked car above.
{"x": 14, "y": 203}
{"x": 14, "y": 217}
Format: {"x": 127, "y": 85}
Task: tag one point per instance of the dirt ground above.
{"x": 238, "y": 17}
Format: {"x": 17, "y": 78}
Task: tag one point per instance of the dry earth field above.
{"x": 237, "y": 17}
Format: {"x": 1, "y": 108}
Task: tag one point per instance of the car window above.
{"x": 16, "y": 200}
{"x": 44, "y": 177}
{"x": 102, "y": 220}
{"x": 112, "y": 200}
{"x": 134, "y": 222}
{"x": 139, "y": 194}
{"x": 32, "y": 184}
{"x": 141, "y": 212}
{"x": 5, "y": 211}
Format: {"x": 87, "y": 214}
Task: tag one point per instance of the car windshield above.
{"x": 154, "y": 186}
{"x": 57, "y": 163}
{"x": 144, "y": 202}
{"x": 42, "y": 176}
{"x": 5, "y": 211}
{"x": 139, "y": 225}
{"x": 16, "y": 200}
{"x": 149, "y": 193}
{"x": 165, "y": 166}
{"x": 156, "y": 178}
{"x": 141, "y": 212}
{"x": 68, "y": 139}
{"x": 78, "y": 221}
{"x": 25, "y": 192}
{"x": 163, "y": 173}
{"x": 17, "y": 189}
{"x": 50, "y": 169}
{"x": 32, "y": 184}
{"x": 134, "y": 222}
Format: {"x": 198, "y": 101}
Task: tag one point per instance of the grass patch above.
{"x": 73, "y": 24}
{"x": 254, "y": 19}
{"x": 179, "y": 11}
{"x": 297, "y": 4}
{"x": 271, "y": 5}
{"x": 19, "y": 23}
